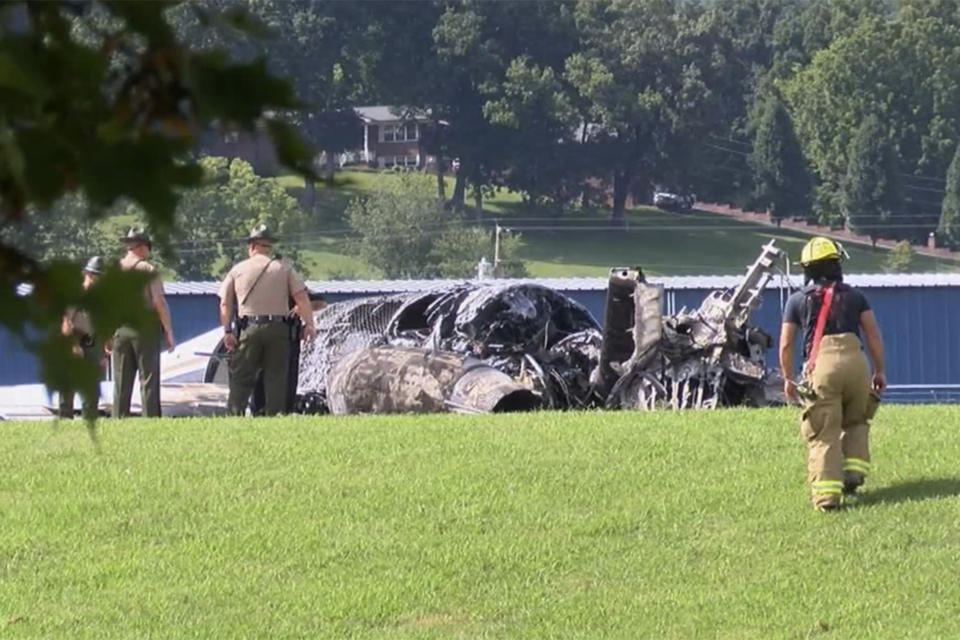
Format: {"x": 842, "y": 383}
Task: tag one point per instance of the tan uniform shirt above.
{"x": 272, "y": 293}
{"x": 154, "y": 289}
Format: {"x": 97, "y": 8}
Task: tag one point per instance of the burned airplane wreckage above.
{"x": 488, "y": 347}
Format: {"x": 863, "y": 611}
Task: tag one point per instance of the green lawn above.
{"x": 599, "y": 525}
{"x": 663, "y": 243}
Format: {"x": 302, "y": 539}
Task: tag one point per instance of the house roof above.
{"x": 387, "y": 113}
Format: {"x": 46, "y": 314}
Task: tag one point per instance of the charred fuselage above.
{"x": 523, "y": 341}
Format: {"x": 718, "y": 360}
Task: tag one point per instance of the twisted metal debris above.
{"x": 703, "y": 358}
{"x": 411, "y": 352}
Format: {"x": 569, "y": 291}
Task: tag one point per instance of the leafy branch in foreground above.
{"x": 101, "y": 99}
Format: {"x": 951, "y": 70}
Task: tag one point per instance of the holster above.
{"x": 295, "y": 327}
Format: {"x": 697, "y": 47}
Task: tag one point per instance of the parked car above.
{"x": 672, "y": 201}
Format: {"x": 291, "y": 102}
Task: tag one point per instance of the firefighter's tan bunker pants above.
{"x": 836, "y": 425}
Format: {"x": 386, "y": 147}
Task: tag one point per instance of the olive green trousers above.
{"x": 266, "y": 347}
{"x": 136, "y": 351}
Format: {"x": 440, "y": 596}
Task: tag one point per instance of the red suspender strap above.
{"x": 818, "y": 328}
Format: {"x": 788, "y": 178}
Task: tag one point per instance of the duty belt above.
{"x": 247, "y": 320}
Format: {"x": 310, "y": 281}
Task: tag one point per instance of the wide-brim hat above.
{"x": 94, "y": 265}
{"x": 137, "y": 235}
{"x": 261, "y": 233}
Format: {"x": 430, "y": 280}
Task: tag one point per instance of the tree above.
{"x": 949, "y": 228}
{"x": 536, "y": 110}
{"x": 213, "y": 219}
{"x": 808, "y": 26}
{"x": 59, "y": 233}
{"x": 110, "y": 117}
{"x": 871, "y": 193}
{"x": 745, "y": 32}
{"x": 899, "y": 259}
{"x": 323, "y": 48}
{"x": 779, "y": 168}
{"x": 398, "y": 224}
{"x": 405, "y": 232}
{"x": 458, "y": 251}
{"x": 470, "y": 52}
{"x": 906, "y": 72}
{"x": 452, "y": 60}
{"x": 649, "y": 110}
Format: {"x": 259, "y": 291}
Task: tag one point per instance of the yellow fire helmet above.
{"x": 821, "y": 248}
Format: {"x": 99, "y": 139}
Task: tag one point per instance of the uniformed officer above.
{"x": 262, "y": 286}
{"x": 840, "y": 394}
{"x": 135, "y": 350}
{"x": 76, "y": 324}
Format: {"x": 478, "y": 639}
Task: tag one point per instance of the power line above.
{"x": 927, "y": 189}
{"x": 634, "y": 226}
{"x": 739, "y": 152}
{"x": 922, "y": 177}
{"x": 719, "y": 148}
{"x": 732, "y": 141}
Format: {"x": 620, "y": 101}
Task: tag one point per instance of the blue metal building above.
{"x": 915, "y": 311}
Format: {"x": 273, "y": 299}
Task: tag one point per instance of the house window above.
{"x": 400, "y": 132}
{"x": 400, "y": 161}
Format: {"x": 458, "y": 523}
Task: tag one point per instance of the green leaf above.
{"x": 60, "y": 369}
{"x": 146, "y": 171}
{"x": 101, "y": 301}
{"x": 238, "y": 93}
{"x": 145, "y": 17}
{"x": 292, "y": 152}
{"x": 13, "y": 163}
{"x": 58, "y": 287}
{"x": 16, "y": 310}
{"x": 47, "y": 160}
{"x": 14, "y": 76}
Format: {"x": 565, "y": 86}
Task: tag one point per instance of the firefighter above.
{"x": 76, "y": 324}
{"x": 839, "y": 393}
{"x": 262, "y": 286}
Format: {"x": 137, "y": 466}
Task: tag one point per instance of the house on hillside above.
{"x": 392, "y": 137}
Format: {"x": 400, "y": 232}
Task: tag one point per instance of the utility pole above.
{"x": 496, "y": 249}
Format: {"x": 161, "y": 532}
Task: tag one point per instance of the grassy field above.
{"x": 663, "y": 243}
{"x": 600, "y": 525}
